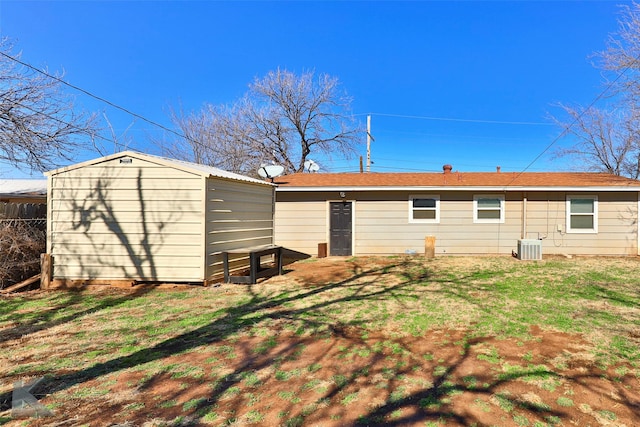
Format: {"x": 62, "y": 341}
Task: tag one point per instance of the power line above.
{"x": 71, "y": 125}
{"x": 576, "y": 119}
{"x": 158, "y": 125}
{"x": 451, "y": 119}
{"x": 86, "y": 92}
{"x": 56, "y": 119}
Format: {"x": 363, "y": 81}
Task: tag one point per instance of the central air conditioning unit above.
{"x": 530, "y": 249}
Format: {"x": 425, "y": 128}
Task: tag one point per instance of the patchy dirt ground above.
{"x": 353, "y": 376}
{"x": 443, "y": 377}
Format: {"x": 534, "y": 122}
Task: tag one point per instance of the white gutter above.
{"x": 458, "y": 188}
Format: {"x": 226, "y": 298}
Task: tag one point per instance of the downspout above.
{"x": 524, "y": 215}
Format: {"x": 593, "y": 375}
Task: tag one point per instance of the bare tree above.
{"x": 608, "y": 138}
{"x": 283, "y": 118}
{"x": 621, "y": 58}
{"x": 38, "y": 124}
{"x": 216, "y": 136}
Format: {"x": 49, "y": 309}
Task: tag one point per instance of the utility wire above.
{"x": 449, "y": 119}
{"x": 562, "y": 134}
{"x": 58, "y": 79}
{"x": 71, "y": 125}
{"x": 576, "y": 119}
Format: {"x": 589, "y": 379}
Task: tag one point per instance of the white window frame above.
{"x": 435, "y": 220}
{"x": 477, "y": 220}
{"x": 593, "y": 230}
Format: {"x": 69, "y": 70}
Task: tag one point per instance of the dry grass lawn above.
{"x": 335, "y": 342}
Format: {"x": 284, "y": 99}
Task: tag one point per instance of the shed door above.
{"x": 340, "y": 228}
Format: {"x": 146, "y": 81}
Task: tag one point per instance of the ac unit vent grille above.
{"x": 530, "y": 249}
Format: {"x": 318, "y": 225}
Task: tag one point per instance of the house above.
{"x": 132, "y": 217}
{"x": 467, "y": 213}
{"x": 23, "y": 191}
{"x": 23, "y": 198}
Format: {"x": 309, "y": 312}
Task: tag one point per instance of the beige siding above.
{"x": 381, "y": 224}
{"x": 301, "y": 226}
{"x": 617, "y": 225}
{"x": 239, "y": 215}
{"x": 383, "y": 227}
{"x": 126, "y": 221}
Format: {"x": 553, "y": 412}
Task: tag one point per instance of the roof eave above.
{"x": 157, "y": 160}
{"x": 254, "y": 180}
{"x": 135, "y": 155}
{"x": 462, "y": 188}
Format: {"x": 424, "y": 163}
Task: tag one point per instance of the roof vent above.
{"x": 497, "y": 169}
{"x": 447, "y": 168}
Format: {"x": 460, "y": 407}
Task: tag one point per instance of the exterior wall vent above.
{"x": 530, "y": 249}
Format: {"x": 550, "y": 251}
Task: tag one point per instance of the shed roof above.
{"x": 204, "y": 170}
{"x": 23, "y": 187}
{"x": 503, "y": 181}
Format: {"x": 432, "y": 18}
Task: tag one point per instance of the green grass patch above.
{"x": 375, "y": 315}
{"x": 504, "y": 401}
{"x": 564, "y": 401}
{"x": 349, "y": 399}
{"x": 254, "y": 417}
{"x": 289, "y": 396}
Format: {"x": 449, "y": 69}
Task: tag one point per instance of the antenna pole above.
{"x": 369, "y": 143}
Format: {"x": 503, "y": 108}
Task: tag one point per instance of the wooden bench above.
{"x": 256, "y": 271}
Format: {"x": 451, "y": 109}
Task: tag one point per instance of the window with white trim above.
{"x": 582, "y": 214}
{"x": 488, "y": 208}
{"x": 424, "y": 208}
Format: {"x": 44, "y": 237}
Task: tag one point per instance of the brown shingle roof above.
{"x": 457, "y": 179}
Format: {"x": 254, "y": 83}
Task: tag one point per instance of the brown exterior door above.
{"x": 340, "y": 229}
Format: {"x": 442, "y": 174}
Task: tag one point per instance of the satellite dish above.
{"x": 270, "y": 171}
{"x": 311, "y": 166}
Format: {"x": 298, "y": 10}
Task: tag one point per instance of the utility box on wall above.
{"x": 530, "y": 249}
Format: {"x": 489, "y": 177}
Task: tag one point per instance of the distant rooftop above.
{"x": 23, "y": 187}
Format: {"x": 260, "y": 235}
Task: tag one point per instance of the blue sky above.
{"x": 445, "y": 82}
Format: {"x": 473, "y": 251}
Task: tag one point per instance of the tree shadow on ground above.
{"x": 56, "y": 315}
{"x": 234, "y": 319}
{"x": 429, "y": 402}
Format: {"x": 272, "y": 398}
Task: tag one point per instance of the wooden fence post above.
{"x": 45, "y": 271}
{"x": 430, "y": 247}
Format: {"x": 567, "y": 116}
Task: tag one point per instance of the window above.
{"x": 488, "y": 209}
{"x": 582, "y": 214}
{"x": 424, "y": 209}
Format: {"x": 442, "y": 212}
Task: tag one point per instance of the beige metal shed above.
{"x": 132, "y": 217}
